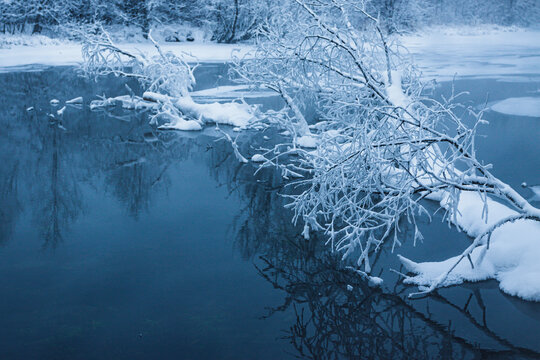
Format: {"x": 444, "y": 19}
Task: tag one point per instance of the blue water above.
{"x": 122, "y": 242}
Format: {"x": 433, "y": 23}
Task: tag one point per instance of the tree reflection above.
{"x": 11, "y": 207}
{"x": 44, "y": 163}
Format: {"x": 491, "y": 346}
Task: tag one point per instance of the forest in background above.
{"x": 230, "y": 21}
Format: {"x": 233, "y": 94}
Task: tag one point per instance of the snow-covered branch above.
{"x": 167, "y": 80}
{"x": 382, "y": 145}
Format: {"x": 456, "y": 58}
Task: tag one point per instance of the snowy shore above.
{"x": 440, "y": 53}
{"x": 60, "y": 54}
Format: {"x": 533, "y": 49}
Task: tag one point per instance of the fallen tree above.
{"x": 377, "y": 150}
{"x": 383, "y": 147}
{"x": 167, "y": 80}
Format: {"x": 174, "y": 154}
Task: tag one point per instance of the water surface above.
{"x": 122, "y": 242}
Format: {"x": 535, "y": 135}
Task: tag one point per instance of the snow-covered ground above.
{"x": 441, "y": 53}
{"x": 511, "y": 258}
{"x": 56, "y": 54}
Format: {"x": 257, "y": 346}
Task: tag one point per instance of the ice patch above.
{"x": 479, "y": 52}
{"x": 523, "y": 106}
{"x": 232, "y": 92}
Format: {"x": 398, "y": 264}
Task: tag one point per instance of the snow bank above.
{"x": 512, "y": 258}
{"x": 235, "y": 114}
{"x": 514, "y": 248}
{"x": 57, "y": 54}
{"x": 9, "y": 40}
{"x": 524, "y": 106}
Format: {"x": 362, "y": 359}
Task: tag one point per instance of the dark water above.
{"x": 121, "y": 242}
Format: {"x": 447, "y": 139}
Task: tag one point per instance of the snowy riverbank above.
{"x": 441, "y": 53}
{"x": 59, "y": 54}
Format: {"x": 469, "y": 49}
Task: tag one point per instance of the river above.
{"x": 118, "y": 241}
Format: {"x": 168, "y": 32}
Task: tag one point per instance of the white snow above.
{"x": 235, "y": 114}
{"x": 307, "y": 141}
{"x": 512, "y": 258}
{"x": 70, "y": 53}
{"x": 77, "y": 100}
{"x": 523, "y": 106}
{"x": 258, "y": 158}
{"x": 181, "y": 124}
{"x": 375, "y": 281}
{"x": 394, "y": 91}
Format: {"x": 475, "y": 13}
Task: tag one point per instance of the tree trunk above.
{"x": 235, "y": 21}
{"x": 145, "y": 21}
{"x": 37, "y": 28}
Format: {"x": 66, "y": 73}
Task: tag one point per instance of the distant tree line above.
{"x": 237, "y": 20}
{"x": 229, "y": 20}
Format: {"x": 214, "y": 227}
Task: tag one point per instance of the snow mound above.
{"x": 512, "y": 257}
{"x": 258, "y": 158}
{"x": 235, "y": 114}
{"x": 522, "y": 106}
{"x": 307, "y": 141}
{"x": 181, "y": 124}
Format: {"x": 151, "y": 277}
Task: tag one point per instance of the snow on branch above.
{"x": 167, "y": 80}
{"x": 382, "y": 145}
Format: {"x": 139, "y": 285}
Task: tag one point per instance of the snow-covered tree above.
{"x": 381, "y": 146}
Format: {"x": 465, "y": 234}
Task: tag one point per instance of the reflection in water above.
{"x": 337, "y": 313}
{"x": 48, "y": 174}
